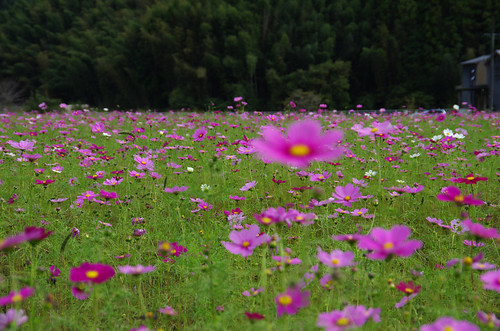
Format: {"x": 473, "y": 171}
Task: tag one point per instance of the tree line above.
{"x": 177, "y": 53}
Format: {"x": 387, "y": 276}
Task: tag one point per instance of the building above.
{"x": 476, "y": 82}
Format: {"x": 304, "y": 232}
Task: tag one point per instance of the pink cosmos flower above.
{"x": 93, "y": 273}
{"x": 377, "y": 129}
{"x": 17, "y": 296}
{"x": 320, "y": 177}
{"x": 175, "y": 189}
{"x": 448, "y": 323}
{"x": 245, "y": 241}
{"x": 168, "y": 311}
{"x": 491, "y": 280}
{"x": 80, "y": 293}
{"x": 199, "y": 134}
{"x": 108, "y": 195}
{"x": 24, "y": 145}
{"x": 454, "y": 194}
{"x": 480, "y": 231}
{"x": 291, "y": 301}
{"x": 305, "y": 143}
{"x": 112, "y": 182}
{"x": 336, "y": 258}
{"x": 348, "y": 318}
{"x": 488, "y": 319}
{"x": 137, "y": 175}
{"x": 346, "y": 195}
{"x": 386, "y": 243}
{"x": 252, "y": 292}
{"x": 136, "y": 270}
{"x": 272, "y": 215}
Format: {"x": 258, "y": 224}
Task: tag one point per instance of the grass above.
{"x": 204, "y": 285}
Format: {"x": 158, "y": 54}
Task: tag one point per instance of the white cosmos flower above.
{"x": 415, "y": 155}
{"x": 448, "y": 132}
{"x": 370, "y": 173}
{"x": 436, "y": 138}
{"x": 204, "y": 187}
{"x": 459, "y": 136}
{"x": 189, "y": 169}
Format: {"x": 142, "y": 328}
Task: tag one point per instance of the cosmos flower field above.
{"x": 229, "y": 220}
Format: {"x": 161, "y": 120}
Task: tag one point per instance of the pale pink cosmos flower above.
{"x": 136, "y": 270}
{"x": 377, "y": 129}
{"x": 336, "y": 258}
{"x": 348, "y": 318}
{"x": 304, "y": 143}
{"x": 448, "y": 323}
{"x": 249, "y": 185}
{"x": 386, "y": 243}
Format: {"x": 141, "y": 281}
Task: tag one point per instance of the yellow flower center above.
{"x": 266, "y": 220}
{"x": 347, "y": 198}
{"x": 16, "y": 298}
{"x": 359, "y": 213}
{"x": 285, "y": 300}
{"x": 173, "y": 251}
{"x": 448, "y": 328}
{"x": 200, "y": 135}
{"x": 300, "y": 150}
{"x": 165, "y": 246}
{"x": 299, "y": 218}
{"x": 388, "y": 245}
{"x": 409, "y": 290}
{"x": 321, "y": 177}
{"x": 246, "y": 244}
{"x": 467, "y": 260}
{"x": 143, "y": 162}
{"x": 335, "y": 261}
{"x": 470, "y": 178}
{"x": 92, "y": 274}
{"x": 374, "y": 130}
{"x": 459, "y": 198}
{"x": 343, "y": 321}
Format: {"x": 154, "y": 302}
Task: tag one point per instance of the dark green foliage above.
{"x": 177, "y": 53}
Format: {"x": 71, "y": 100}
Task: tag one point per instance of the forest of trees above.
{"x": 175, "y": 53}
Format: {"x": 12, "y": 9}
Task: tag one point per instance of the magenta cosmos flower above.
{"x": 454, "y": 194}
{"x": 447, "y": 323}
{"x": 346, "y": 195}
{"x": 336, "y": 258}
{"x": 386, "y": 243}
{"x": 469, "y": 179}
{"x": 93, "y": 273}
{"x": 17, "y": 296}
{"x": 348, "y": 318}
{"x": 491, "y": 280}
{"x": 245, "y": 241}
{"x": 304, "y": 143}
{"x": 291, "y": 301}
